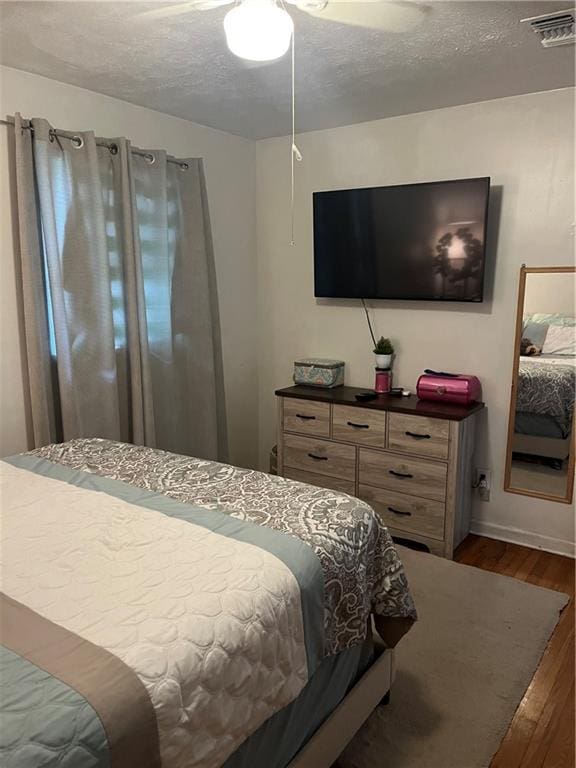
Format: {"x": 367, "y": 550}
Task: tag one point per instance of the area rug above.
{"x": 462, "y": 669}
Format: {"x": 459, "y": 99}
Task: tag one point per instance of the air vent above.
{"x": 554, "y": 28}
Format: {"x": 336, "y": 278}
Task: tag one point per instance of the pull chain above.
{"x": 295, "y": 153}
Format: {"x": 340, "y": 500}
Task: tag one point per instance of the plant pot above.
{"x": 383, "y": 361}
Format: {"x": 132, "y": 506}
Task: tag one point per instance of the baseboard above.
{"x": 525, "y": 538}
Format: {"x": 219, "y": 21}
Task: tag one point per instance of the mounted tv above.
{"x": 414, "y": 241}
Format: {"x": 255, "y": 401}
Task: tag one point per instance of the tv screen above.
{"x": 414, "y": 241}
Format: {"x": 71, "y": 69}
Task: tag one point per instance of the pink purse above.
{"x": 449, "y": 387}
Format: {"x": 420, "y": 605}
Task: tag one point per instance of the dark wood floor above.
{"x": 542, "y": 732}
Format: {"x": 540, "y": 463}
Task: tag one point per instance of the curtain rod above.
{"x": 78, "y": 142}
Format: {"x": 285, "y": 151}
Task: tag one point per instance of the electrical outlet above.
{"x": 483, "y": 483}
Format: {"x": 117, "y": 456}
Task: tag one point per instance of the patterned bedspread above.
{"x": 546, "y": 387}
{"x": 156, "y": 610}
{"x": 362, "y": 571}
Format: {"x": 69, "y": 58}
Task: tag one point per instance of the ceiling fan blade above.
{"x": 166, "y": 10}
{"x": 386, "y": 15}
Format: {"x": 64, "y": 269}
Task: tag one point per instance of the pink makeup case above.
{"x": 449, "y": 387}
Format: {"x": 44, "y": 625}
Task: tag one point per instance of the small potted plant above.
{"x": 383, "y": 351}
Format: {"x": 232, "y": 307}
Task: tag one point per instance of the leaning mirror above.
{"x": 540, "y": 454}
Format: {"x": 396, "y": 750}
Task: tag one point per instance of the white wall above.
{"x": 525, "y": 144}
{"x": 230, "y": 175}
{"x": 551, "y": 293}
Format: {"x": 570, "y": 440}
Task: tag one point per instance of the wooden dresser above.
{"x": 410, "y": 459}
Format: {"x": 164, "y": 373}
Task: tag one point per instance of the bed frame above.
{"x": 335, "y": 733}
{"x": 549, "y": 447}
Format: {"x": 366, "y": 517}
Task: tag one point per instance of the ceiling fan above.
{"x": 261, "y": 30}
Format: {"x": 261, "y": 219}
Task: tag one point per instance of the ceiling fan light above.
{"x": 258, "y": 30}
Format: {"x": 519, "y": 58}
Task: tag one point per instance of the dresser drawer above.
{"x": 323, "y": 481}
{"x": 418, "y": 435}
{"x": 321, "y": 457}
{"x": 306, "y": 416}
{"x": 358, "y": 425}
{"x": 406, "y": 513}
{"x": 417, "y": 477}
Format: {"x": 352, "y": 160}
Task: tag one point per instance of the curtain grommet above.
{"x": 150, "y": 159}
{"x": 183, "y": 166}
{"x": 51, "y": 135}
{"x": 77, "y": 142}
{"x": 113, "y": 149}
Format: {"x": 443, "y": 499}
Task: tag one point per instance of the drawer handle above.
{"x": 417, "y": 436}
{"x": 399, "y": 512}
{"x": 304, "y": 417}
{"x": 318, "y": 458}
{"x": 358, "y": 426}
{"x": 399, "y": 474}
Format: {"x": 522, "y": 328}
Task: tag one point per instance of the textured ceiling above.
{"x": 461, "y": 52}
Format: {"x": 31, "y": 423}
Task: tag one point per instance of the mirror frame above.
{"x": 567, "y": 499}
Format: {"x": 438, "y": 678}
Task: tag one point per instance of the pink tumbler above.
{"x": 383, "y": 380}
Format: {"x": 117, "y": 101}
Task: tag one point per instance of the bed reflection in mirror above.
{"x": 540, "y": 455}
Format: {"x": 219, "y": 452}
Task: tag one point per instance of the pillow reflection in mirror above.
{"x": 564, "y": 320}
{"x": 560, "y": 341}
{"x": 536, "y": 332}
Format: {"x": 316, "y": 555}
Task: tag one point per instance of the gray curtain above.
{"x": 119, "y": 294}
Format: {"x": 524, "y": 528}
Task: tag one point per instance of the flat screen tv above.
{"x": 414, "y": 241}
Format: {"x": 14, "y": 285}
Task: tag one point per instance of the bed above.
{"x": 164, "y": 611}
{"x": 545, "y": 390}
